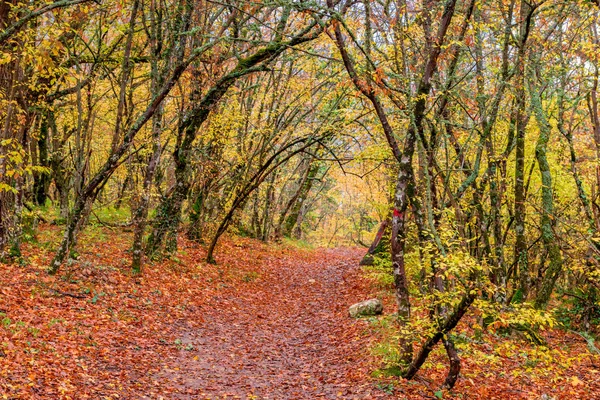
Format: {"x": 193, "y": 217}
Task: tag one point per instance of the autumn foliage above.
{"x": 269, "y": 321}
{"x": 187, "y": 188}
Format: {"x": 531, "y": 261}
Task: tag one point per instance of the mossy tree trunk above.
{"x": 547, "y": 218}
{"x": 521, "y": 256}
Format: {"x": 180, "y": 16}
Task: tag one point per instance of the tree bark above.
{"x": 522, "y": 261}
{"x": 299, "y": 199}
{"x": 547, "y": 217}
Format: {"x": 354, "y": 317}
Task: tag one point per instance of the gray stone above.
{"x": 366, "y": 308}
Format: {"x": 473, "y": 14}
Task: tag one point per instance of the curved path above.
{"x": 285, "y": 335}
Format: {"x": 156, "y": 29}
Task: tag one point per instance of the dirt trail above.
{"x": 287, "y": 336}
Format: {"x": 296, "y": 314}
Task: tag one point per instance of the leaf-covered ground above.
{"x": 267, "y": 322}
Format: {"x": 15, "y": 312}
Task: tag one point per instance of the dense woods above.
{"x": 466, "y": 134}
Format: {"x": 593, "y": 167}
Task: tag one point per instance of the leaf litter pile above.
{"x": 267, "y": 322}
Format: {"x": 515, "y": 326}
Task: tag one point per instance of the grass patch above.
{"x": 111, "y": 215}
{"x": 388, "y": 372}
{"x": 297, "y": 243}
{"x": 250, "y": 276}
{"x": 381, "y": 271}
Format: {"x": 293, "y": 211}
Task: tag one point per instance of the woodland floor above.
{"x": 267, "y": 322}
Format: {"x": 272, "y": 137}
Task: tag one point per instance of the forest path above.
{"x": 286, "y": 335}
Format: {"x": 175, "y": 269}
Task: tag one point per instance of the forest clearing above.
{"x": 299, "y": 199}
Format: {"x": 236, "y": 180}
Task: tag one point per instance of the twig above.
{"x": 74, "y": 295}
{"x": 590, "y": 342}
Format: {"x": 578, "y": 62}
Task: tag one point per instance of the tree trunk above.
{"x": 299, "y": 199}
{"x": 445, "y": 327}
{"x": 41, "y": 180}
{"x": 375, "y": 245}
{"x": 140, "y": 216}
{"x": 398, "y": 241}
{"x": 269, "y": 200}
{"x": 547, "y": 218}
{"x": 522, "y": 261}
